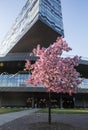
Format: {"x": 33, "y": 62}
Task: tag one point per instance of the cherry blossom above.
{"x": 51, "y": 69}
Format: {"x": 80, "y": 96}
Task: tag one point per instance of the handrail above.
{"x": 19, "y": 80}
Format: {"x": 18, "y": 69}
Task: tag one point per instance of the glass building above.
{"x": 45, "y": 11}
{"x": 44, "y": 16}
{"x": 40, "y": 21}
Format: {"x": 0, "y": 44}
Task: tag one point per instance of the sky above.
{"x": 75, "y": 22}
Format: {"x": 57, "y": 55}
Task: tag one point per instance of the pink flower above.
{"x": 53, "y": 71}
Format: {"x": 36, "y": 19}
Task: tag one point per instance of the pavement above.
{"x": 5, "y": 118}
{"x": 78, "y": 121}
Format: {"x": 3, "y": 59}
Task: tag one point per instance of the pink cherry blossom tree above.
{"x": 55, "y": 72}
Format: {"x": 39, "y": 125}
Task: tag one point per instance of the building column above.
{"x": 33, "y": 102}
{"x": 61, "y": 101}
{"x": 0, "y": 101}
{"x": 84, "y": 103}
{"x": 74, "y": 101}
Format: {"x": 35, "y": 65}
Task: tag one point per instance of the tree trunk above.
{"x": 49, "y": 109}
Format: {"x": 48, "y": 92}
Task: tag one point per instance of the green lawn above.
{"x": 57, "y": 111}
{"x": 66, "y": 111}
{"x": 8, "y": 110}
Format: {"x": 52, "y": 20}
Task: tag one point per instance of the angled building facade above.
{"x": 40, "y": 21}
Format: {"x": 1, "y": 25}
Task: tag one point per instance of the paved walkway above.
{"x": 4, "y": 118}
{"x": 78, "y": 121}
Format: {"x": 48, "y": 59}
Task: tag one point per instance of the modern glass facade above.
{"x": 48, "y": 11}
{"x": 15, "y": 80}
{"x": 51, "y": 14}
{"x": 19, "y": 80}
{"x": 12, "y": 72}
{"x": 43, "y": 18}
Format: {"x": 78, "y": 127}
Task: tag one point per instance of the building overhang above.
{"x": 33, "y": 89}
{"x": 22, "y": 89}
{"x": 39, "y": 33}
{"x": 38, "y": 23}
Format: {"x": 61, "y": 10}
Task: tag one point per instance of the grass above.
{"x": 66, "y": 111}
{"x": 45, "y": 110}
{"x": 8, "y": 110}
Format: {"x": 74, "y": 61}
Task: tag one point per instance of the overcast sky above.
{"x": 75, "y": 20}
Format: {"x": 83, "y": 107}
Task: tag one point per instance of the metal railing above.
{"x": 19, "y": 80}
{"x": 10, "y": 80}
{"x": 15, "y": 80}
